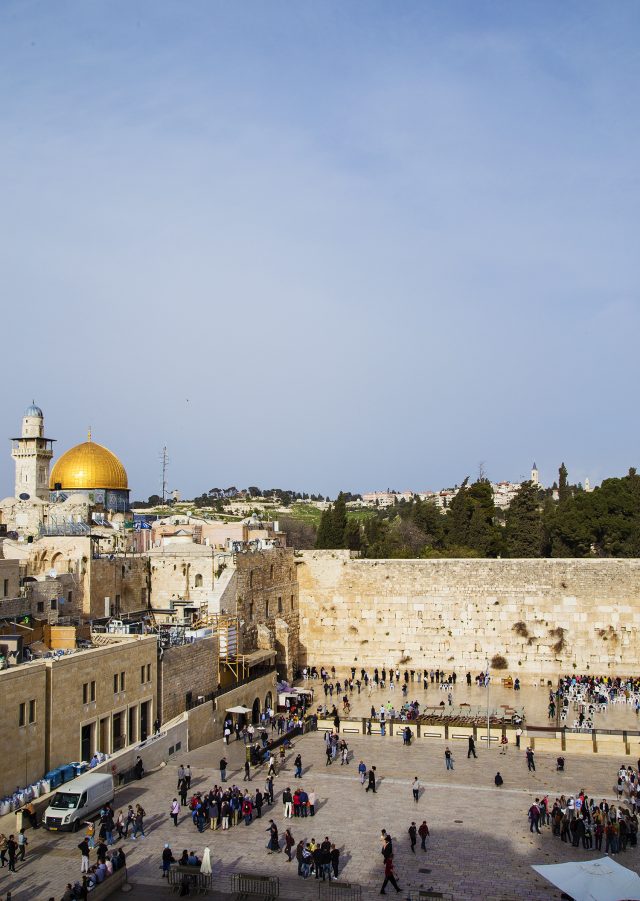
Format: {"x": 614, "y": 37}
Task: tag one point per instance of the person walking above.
{"x": 415, "y": 788}
{"x": 371, "y": 785}
{"x": 448, "y": 758}
{"x": 413, "y": 836}
{"x": 531, "y": 764}
{"x": 472, "y": 747}
{"x": 22, "y": 844}
{"x": 247, "y": 771}
{"x": 389, "y": 876}
{"x": 423, "y": 832}
{"x": 362, "y": 770}
{"x": 223, "y": 769}
{"x": 518, "y": 736}
{"x": 175, "y": 810}
{"x": 504, "y": 742}
{"x": 297, "y": 774}
{"x": 180, "y": 776}
{"x": 12, "y": 850}
{"x": 273, "y": 844}
{"x": 498, "y": 779}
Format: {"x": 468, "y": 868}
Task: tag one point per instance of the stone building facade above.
{"x": 541, "y": 616}
{"x": 98, "y": 586}
{"x": 185, "y": 673}
{"x": 61, "y": 710}
{"x": 267, "y": 605}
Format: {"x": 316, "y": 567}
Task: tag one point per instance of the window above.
{"x": 145, "y": 673}
{"x": 292, "y": 602}
{"x": 115, "y": 683}
{"x": 69, "y": 597}
{"x": 266, "y": 608}
{"x": 88, "y": 692}
{"x": 198, "y": 581}
{"x": 251, "y": 610}
{"x": 271, "y": 572}
{"x": 40, "y": 607}
{"x": 32, "y": 711}
{"x": 5, "y": 589}
{"x": 54, "y": 604}
{"x": 148, "y": 672}
{"x": 22, "y": 714}
{"x": 122, "y": 681}
{"x": 279, "y": 604}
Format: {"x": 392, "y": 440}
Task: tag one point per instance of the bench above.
{"x": 110, "y": 885}
{"x": 247, "y": 887}
{"x": 199, "y": 883}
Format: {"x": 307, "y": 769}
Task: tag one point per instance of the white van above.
{"x": 75, "y": 801}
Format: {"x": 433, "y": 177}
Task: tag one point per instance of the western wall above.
{"x": 544, "y": 617}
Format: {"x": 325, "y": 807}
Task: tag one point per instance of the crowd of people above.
{"x": 587, "y": 695}
{"x": 586, "y": 823}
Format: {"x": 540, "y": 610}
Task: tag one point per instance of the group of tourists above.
{"x": 588, "y": 695}
{"x": 584, "y": 823}
{"x": 319, "y": 859}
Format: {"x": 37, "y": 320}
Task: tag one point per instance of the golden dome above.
{"x": 88, "y": 465}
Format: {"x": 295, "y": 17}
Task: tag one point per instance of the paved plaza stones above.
{"x": 480, "y": 844}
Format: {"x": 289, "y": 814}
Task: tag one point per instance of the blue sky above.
{"x": 323, "y": 245}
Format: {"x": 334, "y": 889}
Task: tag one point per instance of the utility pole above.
{"x": 488, "y": 681}
{"x": 165, "y": 463}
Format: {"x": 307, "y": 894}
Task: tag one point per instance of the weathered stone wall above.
{"x": 189, "y": 668}
{"x": 542, "y": 616}
{"x": 267, "y": 594}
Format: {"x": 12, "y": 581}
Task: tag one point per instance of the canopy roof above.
{"x": 593, "y": 880}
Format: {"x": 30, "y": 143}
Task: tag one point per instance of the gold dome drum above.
{"x": 88, "y": 466}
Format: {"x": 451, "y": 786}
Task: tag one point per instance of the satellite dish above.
{"x": 24, "y": 496}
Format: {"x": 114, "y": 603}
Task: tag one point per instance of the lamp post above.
{"x": 488, "y": 681}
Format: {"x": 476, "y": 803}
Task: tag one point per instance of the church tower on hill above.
{"x": 535, "y": 479}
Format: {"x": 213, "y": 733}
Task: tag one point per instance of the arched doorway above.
{"x": 255, "y": 711}
{"x": 268, "y": 701}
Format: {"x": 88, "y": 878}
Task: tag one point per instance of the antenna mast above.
{"x": 165, "y": 463}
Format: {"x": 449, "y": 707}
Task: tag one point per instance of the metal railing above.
{"x": 256, "y": 886}
{"x": 339, "y": 891}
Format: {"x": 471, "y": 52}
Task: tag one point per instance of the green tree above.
{"x": 524, "y": 529}
{"x": 352, "y": 537}
{"x": 563, "y": 484}
{"x": 338, "y": 522}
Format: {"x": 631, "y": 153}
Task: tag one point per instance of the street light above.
{"x": 487, "y": 679}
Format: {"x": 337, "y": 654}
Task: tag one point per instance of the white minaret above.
{"x": 32, "y": 453}
{"x": 534, "y": 475}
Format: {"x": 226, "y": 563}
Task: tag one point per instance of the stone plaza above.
{"x": 480, "y": 845}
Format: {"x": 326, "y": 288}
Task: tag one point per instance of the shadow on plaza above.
{"x": 460, "y": 862}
